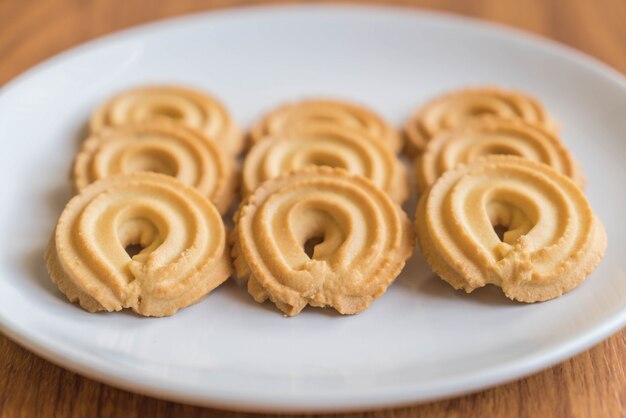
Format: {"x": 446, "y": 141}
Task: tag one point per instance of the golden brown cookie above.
{"x": 457, "y": 107}
{"x": 159, "y": 146}
{"x": 322, "y": 237}
{"x": 552, "y": 239}
{"x": 297, "y": 115}
{"x": 328, "y": 145}
{"x": 189, "y": 107}
{"x": 492, "y": 135}
{"x": 179, "y": 235}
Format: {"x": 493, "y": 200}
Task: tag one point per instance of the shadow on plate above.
{"x": 34, "y": 266}
{"x": 236, "y": 289}
{"x": 418, "y": 277}
{"x": 55, "y": 200}
{"x": 81, "y": 134}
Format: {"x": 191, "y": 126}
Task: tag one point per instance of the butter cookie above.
{"x": 183, "y": 105}
{"x": 320, "y": 237}
{"x": 513, "y": 223}
{"x": 143, "y": 241}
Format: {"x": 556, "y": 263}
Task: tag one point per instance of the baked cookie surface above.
{"x": 551, "y": 242}
{"x": 179, "y": 241}
{"x": 493, "y": 136}
{"x": 297, "y": 115}
{"x": 457, "y": 107}
{"x": 325, "y": 145}
{"x": 182, "y": 105}
{"x": 320, "y": 237}
{"x": 159, "y": 146}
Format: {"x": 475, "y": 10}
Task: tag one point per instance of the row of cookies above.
{"x": 501, "y": 196}
{"x": 328, "y": 230}
{"x": 349, "y": 216}
{"x": 144, "y": 229}
{"x": 158, "y": 169}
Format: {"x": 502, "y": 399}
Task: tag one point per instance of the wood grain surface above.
{"x": 593, "y": 384}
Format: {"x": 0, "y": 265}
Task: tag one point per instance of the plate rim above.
{"x": 398, "y": 396}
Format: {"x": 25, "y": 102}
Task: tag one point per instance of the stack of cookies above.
{"x": 320, "y": 221}
{"x": 501, "y": 196}
{"x": 153, "y": 178}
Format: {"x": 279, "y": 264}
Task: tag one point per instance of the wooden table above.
{"x": 593, "y": 384}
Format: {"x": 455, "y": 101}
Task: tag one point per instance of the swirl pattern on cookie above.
{"x": 325, "y": 145}
{"x": 182, "y": 105}
{"x": 551, "y": 241}
{"x": 321, "y": 237}
{"x": 491, "y": 135}
{"x": 455, "y": 108}
{"x": 297, "y": 115}
{"x": 158, "y": 146}
{"x": 179, "y": 235}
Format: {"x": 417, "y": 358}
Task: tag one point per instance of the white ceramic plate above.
{"x": 419, "y": 342}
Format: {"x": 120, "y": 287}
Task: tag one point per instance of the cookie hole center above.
{"x": 133, "y": 249}
{"x": 500, "y": 230}
{"x": 479, "y": 111}
{"x": 510, "y": 218}
{"x": 309, "y": 245}
{"x": 137, "y": 235}
{"x": 322, "y": 118}
{"x": 500, "y": 149}
{"x": 150, "y": 159}
{"x": 167, "y": 111}
{"x": 327, "y": 159}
